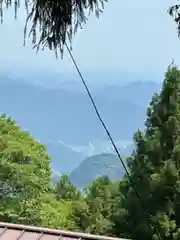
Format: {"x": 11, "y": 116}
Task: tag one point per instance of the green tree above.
{"x": 101, "y": 197}
{"x": 81, "y": 215}
{"x": 120, "y": 226}
{"x": 64, "y": 189}
{"x": 154, "y": 167}
{"x": 24, "y": 174}
{"x": 56, "y": 214}
{"x": 95, "y": 213}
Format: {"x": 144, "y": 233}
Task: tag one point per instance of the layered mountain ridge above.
{"x": 56, "y": 116}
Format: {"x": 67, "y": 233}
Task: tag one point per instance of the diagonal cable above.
{"x": 154, "y": 228}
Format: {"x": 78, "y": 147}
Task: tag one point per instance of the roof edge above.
{"x": 57, "y": 232}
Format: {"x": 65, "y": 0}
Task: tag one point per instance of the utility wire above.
{"x": 112, "y": 141}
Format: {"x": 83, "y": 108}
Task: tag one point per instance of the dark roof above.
{"x": 10, "y": 231}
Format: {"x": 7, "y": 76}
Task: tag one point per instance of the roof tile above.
{"x": 21, "y": 232}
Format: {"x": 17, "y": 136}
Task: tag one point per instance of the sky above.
{"x": 135, "y": 37}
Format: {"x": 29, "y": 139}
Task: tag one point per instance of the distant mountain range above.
{"x": 138, "y": 92}
{"x": 63, "y": 118}
{"x": 75, "y": 155}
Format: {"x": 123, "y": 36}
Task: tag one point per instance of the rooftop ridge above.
{"x": 56, "y": 232}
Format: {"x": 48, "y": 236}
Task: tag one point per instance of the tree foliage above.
{"x": 95, "y": 213}
{"x": 174, "y": 11}
{"x": 55, "y": 21}
{"x": 64, "y": 189}
{"x": 57, "y": 214}
{"x": 154, "y": 167}
{"x": 24, "y": 173}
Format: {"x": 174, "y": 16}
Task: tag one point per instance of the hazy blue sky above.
{"x": 130, "y": 36}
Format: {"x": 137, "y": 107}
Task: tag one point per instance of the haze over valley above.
{"x": 63, "y": 119}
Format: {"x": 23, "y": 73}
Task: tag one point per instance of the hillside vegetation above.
{"x": 97, "y": 166}
{"x": 106, "y": 207}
